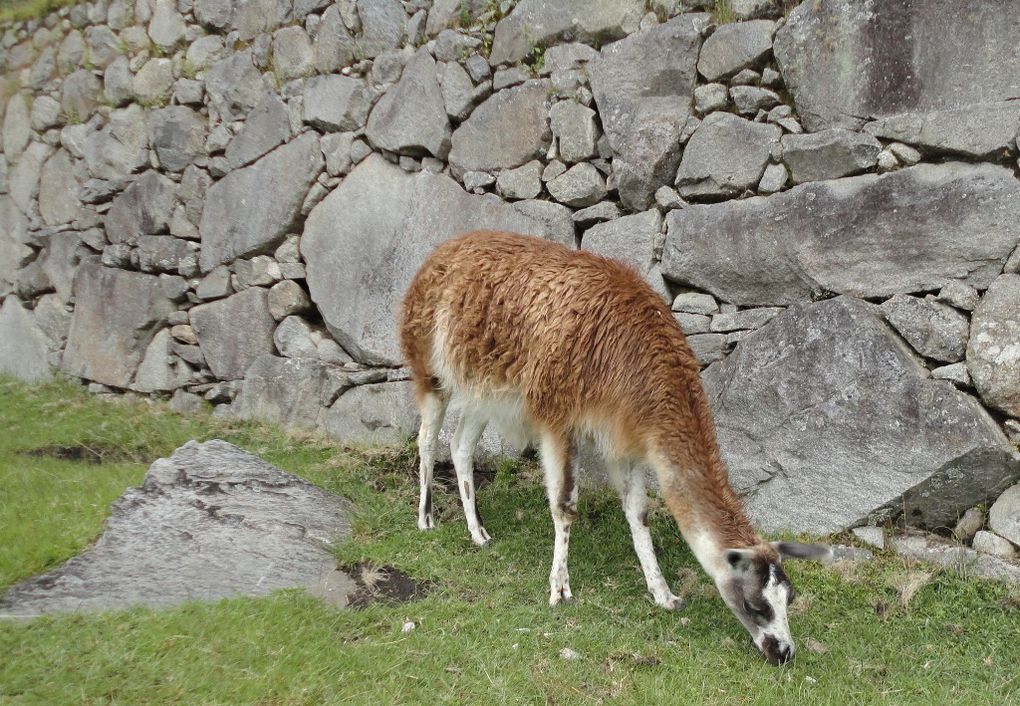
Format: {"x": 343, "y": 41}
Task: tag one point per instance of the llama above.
{"x": 554, "y": 345}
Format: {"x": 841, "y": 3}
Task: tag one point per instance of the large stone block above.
{"x": 907, "y": 231}
{"x": 383, "y": 413}
{"x": 251, "y": 209}
{"x": 234, "y": 332}
{"x": 535, "y": 24}
{"x": 23, "y": 345}
{"x": 116, "y": 315}
{"x": 411, "y": 117}
{"x": 356, "y": 282}
{"x": 993, "y": 354}
{"x": 287, "y": 391}
{"x": 725, "y": 156}
{"x": 507, "y": 130}
{"x": 643, "y": 86}
{"x": 824, "y": 417}
{"x": 14, "y": 248}
{"x": 143, "y": 208}
{"x": 846, "y": 62}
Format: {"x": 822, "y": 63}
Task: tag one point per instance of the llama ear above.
{"x": 796, "y": 550}
{"x": 738, "y": 559}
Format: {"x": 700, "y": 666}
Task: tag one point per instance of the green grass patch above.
{"x": 484, "y": 632}
{"x": 17, "y": 10}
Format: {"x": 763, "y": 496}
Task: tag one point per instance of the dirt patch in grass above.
{"x": 386, "y": 584}
{"x": 88, "y": 453}
{"x": 445, "y": 475}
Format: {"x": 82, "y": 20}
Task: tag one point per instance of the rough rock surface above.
{"x": 210, "y": 522}
{"x": 143, "y": 208}
{"x": 829, "y": 154}
{"x": 23, "y": 345}
{"x": 724, "y": 156}
{"x": 803, "y": 408}
{"x": 251, "y": 209}
{"x": 535, "y": 23}
{"x": 906, "y": 231}
{"x": 411, "y": 118}
{"x": 934, "y": 330}
{"x": 847, "y": 62}
{"x": 233, "y": 332}
{"x": 1004, "y": 515}
{"x": 643, "y": 86}
{"x": 116, "y": 315}
{"x": 507, "y": 130}
{"x": 287, "y": 391}
{"x": 993, "y": 353}
{"x": 735, "y": 46}
{"x": 356, "y": 283}
{"x": 975, "y": 131}
{"x": 266, "y": 128}
{"x": 383, "y": 413}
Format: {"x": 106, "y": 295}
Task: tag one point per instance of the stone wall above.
{"x": 224, "y": 201}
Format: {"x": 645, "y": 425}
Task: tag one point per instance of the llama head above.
{"x": 758, "y": 591}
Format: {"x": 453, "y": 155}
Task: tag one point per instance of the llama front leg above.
{"x": 630, "y": 483}
{"x": 433, "y": 408}
{"x": 557, "y": 462}
{"x": 462, "y": 447}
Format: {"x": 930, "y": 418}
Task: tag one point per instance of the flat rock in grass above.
{"x": 870, "y": 236}
{"x": 964, "y": 560}
{"x": 993, "y": 352}
{"x": 357, "y": 284}
{"x": 535, "y": 24}
{"x": 846, "y": 63}
{"x": 802, "y": 408}
{"x": 643, "y": 86}
{"x": 23, "y": 345}
{"x": 251, "y": 209}
{"x": 210, "y": 522}
{"x": 116, "y": 315}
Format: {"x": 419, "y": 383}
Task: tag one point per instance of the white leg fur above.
{"x": 433, "y": 409}
{"x": 630, "y": 484}
{"x": 563, "y": 504}
{"x": 465, "y": 438}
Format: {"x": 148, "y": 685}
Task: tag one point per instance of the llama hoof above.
{"x": 482, "y": 539}
{"x": 561, "y": 597}
{"x": 425, "y": 523}
{"x": 672, "y": 603}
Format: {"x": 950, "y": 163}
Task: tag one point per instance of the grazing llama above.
{"x": 558, "y": 345}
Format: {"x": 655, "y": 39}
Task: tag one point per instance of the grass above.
{"x": 886, "y": 632}
{"x": 17, "y": 10}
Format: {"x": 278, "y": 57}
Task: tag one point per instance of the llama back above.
{"x": 572, "y": 334}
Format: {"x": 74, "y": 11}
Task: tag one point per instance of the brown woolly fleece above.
{"x": 586, "y": 345}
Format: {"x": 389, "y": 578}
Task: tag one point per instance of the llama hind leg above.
{"x": 462, "y": 448}
{"x": 433, "y": 409}
{"x": 557, "y": 461}
{"x": 630, "y": 484}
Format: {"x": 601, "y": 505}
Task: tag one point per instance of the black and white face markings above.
{"x": 759, "y": 593}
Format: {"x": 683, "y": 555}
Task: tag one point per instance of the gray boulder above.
{"x": 950, "y": 555}
{"x": 210, "y": 522}
{"x": 643, "y": 86}
{"x": 934, "y": 330}
{"x": 159, "y": 371}
{"x": 154, "y": 82}
{"x": 334, "y": 47}
{"x": 23, "y": 345}
{"x": 574, "y": 127}
{"x": 411, "y": 117}
{"x": 383, "y": 413}
{"x": 214, "y": 14}
{"x": 847, "y": 62}
{"x": 266, "y": 127}
{"x": 334, "y": 103}
{"x": 724, "y": 156}
{"x": 23, "y": 179}
{"x": 120, "y": 148}
{"x": 872, "y": 235}
{"x": 14, "y": 250}
{"x": 234, "y": 85}
{"x": 382, "y": 26}
{"x": 829, "y": 154}
{"x": 17, "y": 126}
{"x": 580, "y": 186}
{"x": 233, "y": 332}
{"x": 507, "y": 130}
{"x": 1004, "y": 515}
{"x": 293, "y": 56}
{"x": 635, "y": 239}
{"x": 534, "y": 24}
{"x": 285, "y": 391}
{"x": 79, "y": 95}
{"x": 177, "y": 134}
{"x": 166, "y": 28}
{"x": 980, "y": 131}
{"x": 143, "y": 208}
{"x": 58, "y": 190}
{"x": 357, "y": 284}
{"x": 993, "y": 354}
{"x": 735, "y": 46}
{"x": 803, "y": 409}
{"x": 251, "y": 209}
{"x": 116, "y": 315}
{"x": 524, "y": 182}
{"x": 117, "y": 80}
